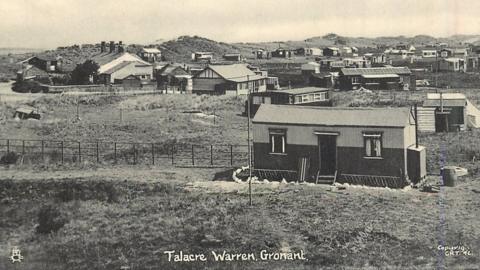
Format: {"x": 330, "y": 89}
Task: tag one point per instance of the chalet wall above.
{"x": 349, "y": 136}
{"x": 204, "y": 84}
{"x": 350, "y": 160}
{"x": 132, "y": 69}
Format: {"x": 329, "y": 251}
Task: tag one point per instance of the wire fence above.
{"x": 64, "y": 152}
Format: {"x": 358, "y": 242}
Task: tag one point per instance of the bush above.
{"x": 9, "y": 158}
{"x": 28, "y": 86}
{"x": 50, "y": 219}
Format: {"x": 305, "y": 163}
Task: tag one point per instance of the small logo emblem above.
{"x": 16, "y": 256}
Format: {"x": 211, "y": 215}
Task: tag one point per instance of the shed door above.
{"x": 327, "y": 154}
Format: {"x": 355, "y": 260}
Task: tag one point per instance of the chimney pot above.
{"x": 112, "y": 46}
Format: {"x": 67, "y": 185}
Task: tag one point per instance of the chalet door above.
{"x": 327, "y": 154}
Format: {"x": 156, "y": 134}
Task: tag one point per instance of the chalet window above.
{"x": 305, "y": 98}
{"x": 320, "y": 96}
{"x": 373, "y": 144}
{"x": 277, "y": 141}
{"x": 355, "y": 79}
{"x": 298, "y": 99}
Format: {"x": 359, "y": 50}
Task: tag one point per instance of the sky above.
{"x": 52, "y": 23}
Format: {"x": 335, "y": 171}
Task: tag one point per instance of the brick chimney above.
{"x": 103, "y": 46}
{"x": 112, "y": 47}
{"x": 120, "y": 47}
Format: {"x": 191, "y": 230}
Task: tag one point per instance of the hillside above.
{"x": 180, "y": 49}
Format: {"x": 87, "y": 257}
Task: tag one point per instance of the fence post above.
{"x": 98, "y": 154}
{"x": 8, "y": 146}
{"x": 211, "y": 154}
{"x": 23, "y": 147}
{"x": 79, "y": 153}
{"x": 61, "y": 146}
{"x": 43, "y": 150}
{"x": 115, "y": 152}
{"x": 193, "y": 156}
{"x": 153, "y": 154}
{"x": 173, "y": 152}
{"x": 231, "y": 155}
{"x": 134, "y": 155}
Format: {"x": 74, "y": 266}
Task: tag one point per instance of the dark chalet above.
{"x": 307, "y": 96}
{"x": 372, "y": 146}
{"x": 379, "y": 78}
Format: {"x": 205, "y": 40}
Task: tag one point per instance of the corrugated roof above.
{"x": 26, "y": 109}
{"x": 151, "y": 50}
{"x": 448, "y": 99}
{"x": 235, "y": 72}
{"x": 373, "y": 76}
{"x": 446, "y": 103}
{"x": 375, "y": 71}
{"x": 303, "y": 90}
{"x": 117, "y": 67}
{"x": 104, "y": 58}
{"x": 322, "y": 116}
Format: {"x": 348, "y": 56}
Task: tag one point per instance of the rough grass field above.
{"x": 130, "y": 217}
{"x": 114, "y": 216}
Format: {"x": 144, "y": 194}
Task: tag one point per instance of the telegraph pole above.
{"x": 248, "y": 143}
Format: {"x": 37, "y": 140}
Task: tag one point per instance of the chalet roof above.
{"x": 375, "y": 71}
{"x": 328, "y": 116}
{"x": 168, "y": 69}
{"x": 26, "y": 109}
{"x": 151, "y": 50}
{"x": 452, "y": 59}
{"x": 448, "y": 99}
{"x": 46, "y": 57}
{"x": 117, "y": 67}
{"x": 303, "y": 90}
{"x": 235, "y": 72}
{"x": 232, "y": 54}
{"x": 104, "y": 58}
{"x": 108, "y": 61}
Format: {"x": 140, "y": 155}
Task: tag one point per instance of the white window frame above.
{"x": 277, "y": 132}
{"x": 373, "y": 145}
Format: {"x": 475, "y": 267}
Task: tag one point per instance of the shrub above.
{"x": 50, "y": 219}
{"x": 9, "y": 158}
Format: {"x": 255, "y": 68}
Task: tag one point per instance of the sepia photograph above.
{"x": 239, "y": 134}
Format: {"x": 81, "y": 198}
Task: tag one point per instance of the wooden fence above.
{"x": 61, "y": 152}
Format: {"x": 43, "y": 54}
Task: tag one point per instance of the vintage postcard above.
{"x": 206, "y": 134}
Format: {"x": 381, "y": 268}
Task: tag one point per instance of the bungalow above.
{"x": 429, "y": 53}
{"x": 374, "y": 146}
{"x": 202, "y": 56}
{"x": 452, "y": 64}
{"x": 379, "y": 78}
{"x": 331, "y": 51}
{"x": 262, "y": 54}
{"x": 376, "y": 58}
{"x": 30, "y": 72}
{"x": 236, "y": 57}
{"x": 450, "y": 111}
{"x": 310, "y": 67}
{"x": 309, "y": 51}
{"x": 282, "y": 53}
{"x": 150, "y": 55}
{"x": 322, "y": 79}
{"x": 455, "y": 52}
{"x": 48, "y": 63}
{"x": 173, "y": 78}
{"x": 307, "y": 96}
{"x": 359, "y": 62}
{"x": 234, "y": 79}
{"x": 120, "y": 65}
